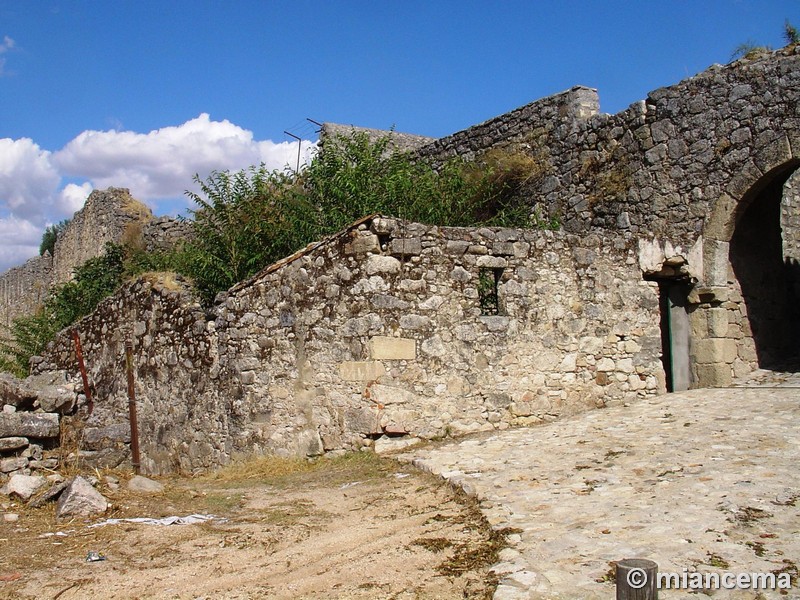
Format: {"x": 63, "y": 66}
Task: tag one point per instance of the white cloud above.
{"x": 27, "y": 178}
{"x": 161, "y": 163}
{"x": 158, "y": 165}
{"x": 72, "y": 197}
{"x": 20, "y": 241}
{"x": 5, "y": 46}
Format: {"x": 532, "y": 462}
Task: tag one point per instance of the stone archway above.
{"x": 748, "y": 316}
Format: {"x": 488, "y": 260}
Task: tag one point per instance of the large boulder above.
{"x": 13, "y": 391}
{"x": 80, "y": 499}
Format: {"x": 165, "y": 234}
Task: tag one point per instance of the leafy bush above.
{"x": 249, "y": 219}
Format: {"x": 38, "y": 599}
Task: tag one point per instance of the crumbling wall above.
{"x": 381, "y": 333}
{"x": 111, "y": 215}
{"x": 376, "y": 336}
{"x": 182, "y": 417}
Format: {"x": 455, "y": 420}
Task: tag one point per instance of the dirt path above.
{"x": 358, "y": 527}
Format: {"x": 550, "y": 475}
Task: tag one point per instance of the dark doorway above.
{"x": 767, "y": 280}
{"x": 675, "y": 333}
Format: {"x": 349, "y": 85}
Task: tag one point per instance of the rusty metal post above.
{"x": 79, "y": 353}
{"x": 132, "y": 407}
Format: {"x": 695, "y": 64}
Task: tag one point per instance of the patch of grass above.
{"x": 282, "y": 472}
{"x": 715, "y": 560}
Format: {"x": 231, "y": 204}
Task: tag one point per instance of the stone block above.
{"x": 387, "y": 395}
{"x": 715, "y": 350}
{"x": 366, "y": 370}
{"x": 491, "y": 262}
{"x": 12, "y": 443}
{"x": 716, "y": 375}
{"x": 362, "y": 243}
{"x": 377, "y": 263}
{"x": 364, "y": 420}
{"x": 392, "y": 348}
{"x": 406, "y": 246}
{"x": 8, "y": 465}
{"x": 23, "y": 424}
{"x": 718, "y": 322}
{"x": 456, "y": 247}
{"x": 503, "y": 248}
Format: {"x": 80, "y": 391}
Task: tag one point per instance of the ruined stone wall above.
{"x": 164, "y": 233}
{"x": 23, "y": 289}
{"x": 382, "y": 333}
{"x": 398, "y": 141}
{"x": 375, "y": 336}
{"x": 111, "y": 215}
{"x": 678, "y": 170}
{"x": 657, "y": 167}
{"x": 181, "y": 413}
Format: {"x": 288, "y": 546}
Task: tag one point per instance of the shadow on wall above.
{"x": 769, "y": 283}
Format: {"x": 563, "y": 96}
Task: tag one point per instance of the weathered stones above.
{"x": 36, "y": 425}
{"x": 23, "y": 486}
{"x": 144, "y": 485}
{"x": 80, "y": 499}
{"x": 13, "y": 443}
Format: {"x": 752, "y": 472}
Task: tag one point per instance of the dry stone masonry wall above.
{"x": 376, "y": 336}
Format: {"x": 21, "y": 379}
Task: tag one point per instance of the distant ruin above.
{"x": 676, "y": 267}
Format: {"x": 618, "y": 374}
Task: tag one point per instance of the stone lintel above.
{"x": 392, "y": 348}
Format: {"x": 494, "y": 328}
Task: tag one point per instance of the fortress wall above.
{"x": 23, "y": 289}
{"x": 110, "y": 215}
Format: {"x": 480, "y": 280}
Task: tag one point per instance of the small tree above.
{"x": 50, "y": 236}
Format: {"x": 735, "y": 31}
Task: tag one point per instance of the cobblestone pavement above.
{"x": 705, "y": 480}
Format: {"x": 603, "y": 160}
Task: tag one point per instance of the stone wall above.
{"x": 657, "y": 167}
{"x": 181, "y": 415}
{"x": 374, "y": 337}
{"x": 678, "y": 170}
{"x": 111, "y": 215}
{"x": 397, "y": 141}
{"x": 24, "y": 288}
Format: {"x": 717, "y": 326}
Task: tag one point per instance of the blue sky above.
{"x": 145, "y": 94}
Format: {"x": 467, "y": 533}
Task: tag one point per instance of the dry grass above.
{"x": 282, "y": 472}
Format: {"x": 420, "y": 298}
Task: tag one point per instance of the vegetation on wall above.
{"x": 252, "y": 218}
{"x": 50, "y": 236}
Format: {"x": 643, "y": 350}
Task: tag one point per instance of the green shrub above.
{"x": 50, "y": 236}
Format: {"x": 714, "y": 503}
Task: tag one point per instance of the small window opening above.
{"x": 488, "y": 281}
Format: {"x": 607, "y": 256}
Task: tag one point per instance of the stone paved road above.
{"x": 706, "y": 480}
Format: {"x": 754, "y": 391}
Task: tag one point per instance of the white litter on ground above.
{"x": 187, "y": 520}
